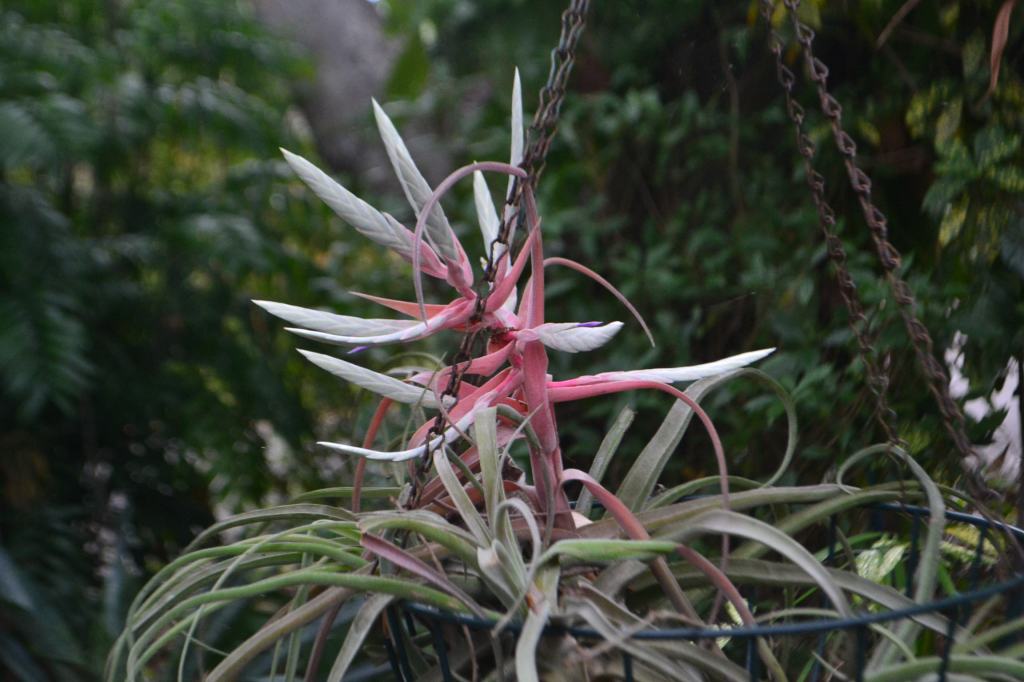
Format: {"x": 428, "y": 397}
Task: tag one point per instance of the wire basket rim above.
{"x": 945, "y": 605}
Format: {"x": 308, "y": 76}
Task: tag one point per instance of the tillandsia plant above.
{"x": 514, "y": 366}
{"x": 474, "y": 534}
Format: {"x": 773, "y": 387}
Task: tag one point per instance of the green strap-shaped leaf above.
{"x": 604, "y": 455}
{"x": 589, "y": 551}
{"x": 777, "y": 574}
{"x": 286, "y": 512}
{"x": 988, "y": 667}
{"x": 188, "y": 568}
{"x": 642, "y": 477}
{"x": 533, "y": 626}
{"x": 663, "y": 521}
{"x": 722, "y": 521}
{"x": 470, "y": 516}
{"x": 344, "y": 492}
{"x": 486, "y": 436}
{"x": 672, "y": 522}
{"x": 598, "y": 616}
{"x": 361, "y": 625}
{"x": 156, "y": 637}
{"x": 526, "y": 645}
{"x": 233, "y": 664}
{"x": 427, "y": 524}
{"x": 485, "y": 430}
{"x": 927, "y": 570}
{"x": 667, "y": 497}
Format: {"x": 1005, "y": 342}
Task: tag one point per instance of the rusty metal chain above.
{"x": 563, "y": 57}
{"x": 877, "y": 380}
{"x": 541, "y": 133}
{"x": 934, "y": 374}
{"x": 889, "y": 256}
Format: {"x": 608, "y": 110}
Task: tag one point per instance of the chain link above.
{"x": 934, "y": 374}
{"x": 541, "y": 133}
{"x": 877, "y": 380}
{"x": 563, "y": 57}
{"x": 889, "y": 256}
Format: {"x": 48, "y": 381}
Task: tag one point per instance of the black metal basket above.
{"x": 409, "y": 621}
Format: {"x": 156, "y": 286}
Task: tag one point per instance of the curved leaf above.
{"x": 364, "y": 620}
{"x": 381, "y": 384}
{"x": 486, "y": 215}
{"x": 572, "y": 337}
{"x": 732, "y": 523}
{"x": 371, "y": 223}
{"x": 332, "y": 323}
{"x": 604, "y": 455}
{"x": 671, "y": 375}
{"x": 415, "y": 187}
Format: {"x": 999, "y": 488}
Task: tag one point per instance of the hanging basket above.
{"x": 440, "y": 633}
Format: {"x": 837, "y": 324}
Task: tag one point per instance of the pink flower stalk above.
{"x": 515, "y": 363}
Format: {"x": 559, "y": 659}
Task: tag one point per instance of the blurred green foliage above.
{"x": 142, "y": 205}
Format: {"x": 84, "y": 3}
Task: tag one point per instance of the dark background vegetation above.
{"x": 143, "y": 203}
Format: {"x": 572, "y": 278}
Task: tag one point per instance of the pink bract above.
{"x": 514, "y": 366}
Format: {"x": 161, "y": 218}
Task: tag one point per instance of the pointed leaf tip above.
{"x": 517, "y": 145}
{"x": 373, "y": 224}
{"x": 487, "y": 215}
{"x": 332, "y": 323}
{"x": 381, "y": 384}
{"x": 575, "y": 337}
{"x": 671, "y": 375}
{"x": 415, "y": 186}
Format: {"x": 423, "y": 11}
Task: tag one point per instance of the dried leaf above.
{"x": 1000, "y": 34}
